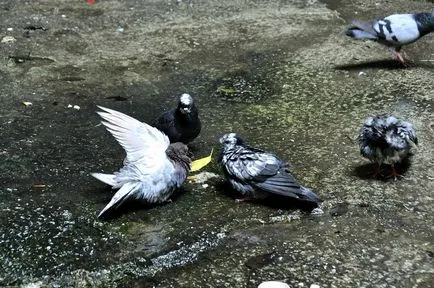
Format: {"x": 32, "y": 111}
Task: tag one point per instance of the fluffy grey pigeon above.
{"x": 256, "y": 173}
{"x": 181, "y": 124}
{"x": 153, "y": 169}
{"x": 395, "y": 30}
{"x": 386, "y": 139}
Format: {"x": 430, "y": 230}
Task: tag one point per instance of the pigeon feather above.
{"x": 386, "y": 139}
{"x": 395, "y": 30}
{"x": 181, "y": 124}
{"x": 254, "y": 172}
{"x": 154, "y": 167}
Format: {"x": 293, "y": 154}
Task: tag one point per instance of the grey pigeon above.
{"x": 181, "y": 124}
{"x": 256, "y": 173}
{"x": 395, "y": 30}
{"x": 386, "y": 140}
{"x": 153, "y": 169}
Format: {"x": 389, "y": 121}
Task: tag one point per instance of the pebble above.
{"x": 315, "y": 286}
{"x": 8, "y": 39}
{"x": 317, "y": 212}
{"x": 27, "y": 103}
{"x": 273, "y": 284}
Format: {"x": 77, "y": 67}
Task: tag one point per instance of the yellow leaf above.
{"x": 200, "y": 163}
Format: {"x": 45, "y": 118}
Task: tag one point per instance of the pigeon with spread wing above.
{"x": 153, "y": 167}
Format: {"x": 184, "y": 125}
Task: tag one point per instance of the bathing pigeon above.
{"x": 181, "y": 124}
{"x": 257, "y": 173}
{"x": 386, "y": 139}
{"x": 395, "y": 30}
{"x": 153, "y": 169}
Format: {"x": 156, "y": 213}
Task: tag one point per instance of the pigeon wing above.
{"x": 139, "y": 140}
{"x": 277, "y": 180}
{"x": 266, "y": 172}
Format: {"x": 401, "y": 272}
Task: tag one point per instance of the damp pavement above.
{"x": 280, "y": 73}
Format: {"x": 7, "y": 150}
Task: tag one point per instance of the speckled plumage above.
{"x": 386, "y": 139}
{"x": 181, "y": 124}
{"x": 395, "y": 30}
{"x": 153, "y": 168}
{"x": 256, "y": 173}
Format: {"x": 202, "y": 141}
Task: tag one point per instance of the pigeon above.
{"x": 395, "y": 30}
{"x": 181, "y": 124}
{"x": 153, "y": 169}
{"x": 258, "y": 174}
{"x": 386, "y": 140}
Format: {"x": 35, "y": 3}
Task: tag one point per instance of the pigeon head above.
{"x": 179, "y": 154}
{"x": 231, "y": 139}
{"x": 185, "y": 104}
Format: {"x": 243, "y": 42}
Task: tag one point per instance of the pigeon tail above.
{"x": 120, "y": 196}
{"x": 359, "y": 34}
{"x": 106, "y": 178}
{"x": 308, "y": 195}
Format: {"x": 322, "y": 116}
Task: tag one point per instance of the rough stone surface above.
{"x": 280, "y": 73}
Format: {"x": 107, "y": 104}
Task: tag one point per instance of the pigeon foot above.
{"x": 395, "y": 174}
{"x": 399, "y": 58}
{"x": 377, "y": 172}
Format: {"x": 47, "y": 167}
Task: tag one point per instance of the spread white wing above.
{"x": 139, "y": 140}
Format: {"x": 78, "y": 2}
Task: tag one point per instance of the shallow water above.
{"x": 282, "y": 74}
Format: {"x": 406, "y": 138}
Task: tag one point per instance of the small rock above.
{"x": 361, "y": 73}
{"x": 32, "y": 285}
{"x": 317, "y": 212}
{"x": 315, "y": 286}
{"x": 10, "y": 29}
{"x": 76, "y": 107}
{"x": 273, "y": 284}
{"x": 8, "y": 39}
{"x": 202, "y": 177}
{"x": 27, "y": 103}
{"x": 205, "y": 185}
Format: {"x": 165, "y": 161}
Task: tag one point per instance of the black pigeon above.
{"x": 256, "y": 173}
{"x": 153, "y": 168}
{"x": 181, "y": 124}
{"x": 395, "y": 30}
{"x": 386, "y": 140}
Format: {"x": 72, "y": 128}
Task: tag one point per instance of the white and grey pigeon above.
{"x": 181, "y": 124}
{"x": 153, "y": 169}
{"x": 256, "y": 173}
{"x": 385, "y": 139}
{"x": 395, "y": 30}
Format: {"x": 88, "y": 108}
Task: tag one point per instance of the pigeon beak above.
{"x": 185, "y": 110}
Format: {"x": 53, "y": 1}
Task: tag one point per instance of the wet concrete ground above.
{"x": 282, "y": 74}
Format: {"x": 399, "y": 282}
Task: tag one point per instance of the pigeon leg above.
{"x": 395, "y": 174}
{"x": 399, "y": 58}
{"x": 377, "y": 171}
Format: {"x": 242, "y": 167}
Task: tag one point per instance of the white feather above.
{"x": 125, "y": 192}
{"x": 139, "y": 140}
{"x": 403, "y": 27}
{"x": 147, "y": 173}
{"x": 106, "y": 178}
